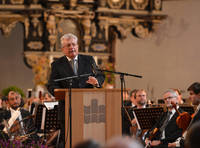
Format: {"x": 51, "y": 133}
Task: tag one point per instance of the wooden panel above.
{"x": 113, "y": 114}
{"x": 110, "y": 98}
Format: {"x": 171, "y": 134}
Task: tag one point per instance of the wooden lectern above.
{"x": 96, "y": 114}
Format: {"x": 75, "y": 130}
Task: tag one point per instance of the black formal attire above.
{"x": 172, "y": 131}
{"x": 126, "y": 123}
{"x": 195, "y": 119}
{"x": 61, "y": 68}
{"x": 28, "y": 124}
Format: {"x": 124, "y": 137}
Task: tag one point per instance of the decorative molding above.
{"x": 116, "y": 4}
{"x": 141, "y": 31}
{"x": 157, "y": 4}
{"x": 35, "y": 45}
{"x": 139, "y": 4}
{"x": 99, "y": 47}
{"x": 10, "y": 22}
{"x": 73, "y": 3}
{"x": 7, "y": 28}
{"x": 17, "y": 1}
{"x": 91, "y": 20}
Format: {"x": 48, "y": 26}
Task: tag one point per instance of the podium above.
{"x": 96, "y": 114}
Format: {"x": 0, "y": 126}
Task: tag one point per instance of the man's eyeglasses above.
{"x": 170, "y": 97}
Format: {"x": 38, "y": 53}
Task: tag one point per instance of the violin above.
{"x": 17, "y": 131}
{"x": 15, "y": 127}
{"x": 151, "y": 136}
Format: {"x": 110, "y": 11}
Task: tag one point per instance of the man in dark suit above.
{"x": 72, "y": 64}
{"x": 168, "y": 131}
{"x": 127, "y": 113}
{"x": 194, "y": 91}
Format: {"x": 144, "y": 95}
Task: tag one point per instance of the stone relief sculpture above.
{"x": 51, "y": 24}
{"x": 51, "y": 27}
{"x": 26, "y": 24}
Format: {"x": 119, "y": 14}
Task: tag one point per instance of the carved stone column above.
{"x": 87, "y": 37}
{"x": 51, "y": 27}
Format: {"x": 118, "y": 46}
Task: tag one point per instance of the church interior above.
{"x": 152, "y": 44}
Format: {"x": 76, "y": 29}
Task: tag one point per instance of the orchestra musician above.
{"x": 194, "y": 91}
{"x": 140, "y": 101}
{"x": 167, "y": 129}
{"x": 128, "y": 104}
{"x": 15, "y": 121}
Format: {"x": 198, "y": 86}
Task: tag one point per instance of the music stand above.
{"x": 147, "y": 117}
{"x": 46, "y": 119}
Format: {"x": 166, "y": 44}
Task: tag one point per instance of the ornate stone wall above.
{"x": 45, "y": 21}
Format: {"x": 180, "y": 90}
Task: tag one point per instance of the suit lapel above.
{"x": 196, "y": 117}
{"x": 81, "y": 65}
{"x": 67, "y": 67}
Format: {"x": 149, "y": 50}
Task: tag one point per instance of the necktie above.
{"x": 166, "y": 121}
{"x": 74, "y": 66}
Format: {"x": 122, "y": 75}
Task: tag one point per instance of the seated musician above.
{"x": 166, "y": 128}
{"x": 126, "y": 120}
{"x": 194, "y": 91}
{"x": 16, "y": 121}
{"x": 140, "y": 101}
{"x": 180, "y": 99}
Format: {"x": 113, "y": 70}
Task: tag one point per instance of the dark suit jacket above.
{"x": 126, "y": 123}
{"x": 61, "y": 68}
{"x": 195, "y": 119}
{"x": 172, "y": 131}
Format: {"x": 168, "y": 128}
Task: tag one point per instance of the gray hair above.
{"x": 171, "y": 91}
{"x": 67, "y": 37}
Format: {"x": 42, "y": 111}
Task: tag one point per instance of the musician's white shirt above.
{"x": 14, "y": 115}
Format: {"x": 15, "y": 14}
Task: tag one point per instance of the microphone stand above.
{"x": 70, "y": 80}
{"x": 122, "y": 85}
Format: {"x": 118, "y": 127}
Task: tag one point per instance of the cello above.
{"x": 184, "y": 119}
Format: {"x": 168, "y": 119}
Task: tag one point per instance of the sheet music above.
{"x": 50, "y": 105}
{"x": 43, "y": 118}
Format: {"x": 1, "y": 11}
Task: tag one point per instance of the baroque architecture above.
{"x": 97, "y": 23}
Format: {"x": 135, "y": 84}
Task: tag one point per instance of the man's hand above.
{"x": 172, "y": 144}
{"x": 155, "y": 142}
{"x": 134, "y": 123}
{"x": 147, "y": 141}
{"x": 92, "y": 80}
